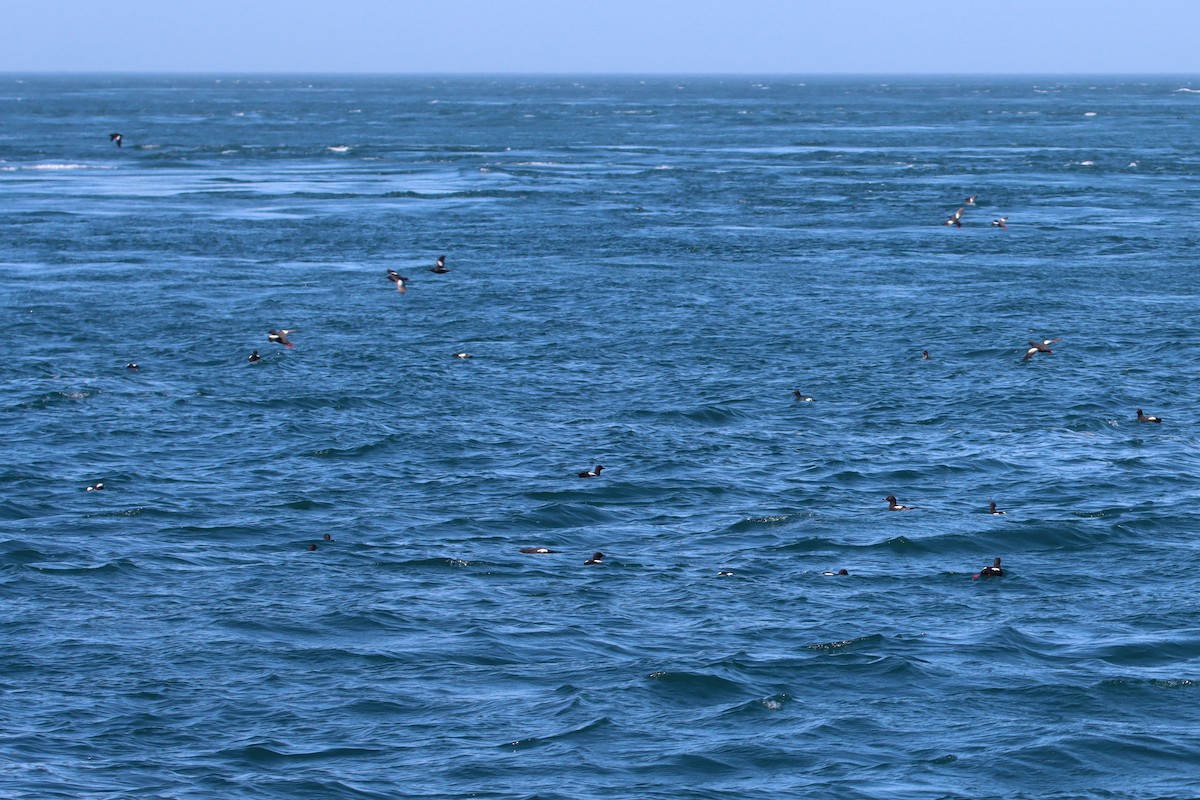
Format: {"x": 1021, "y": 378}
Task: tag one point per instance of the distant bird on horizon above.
{"x": 280, "y": 336}
{"x": 439, "y": 266}
{"x": 398, "y": 279}
{"x": 955, "y": 219}
{"x": 1144, "y": 418}
{"x": 1000, "y": 223}
{"x": 592, "y": 473}
{"x": 116, "y": 138}
{"x": 1039, "y": 347}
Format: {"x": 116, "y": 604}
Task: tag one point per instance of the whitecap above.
{"x": 340, "y": 148}
{"x": 1089, "y": 113}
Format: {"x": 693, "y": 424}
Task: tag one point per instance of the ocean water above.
{"x": 643, "y": 270}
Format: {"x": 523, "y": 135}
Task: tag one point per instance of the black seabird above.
{"x": 925, "y": 356}
{"x": 95, "y": 487}
{"x": 1000, "y": 223}
{"x": 1039, "y": 347}
{"x": 894, "y": 506}
{"x": 993, "y": 571}
{"x": 398, "y": 279}
{"x": 955, "y": 219}
{"x": 280, "y": 336}
{"x": 439, "y": 266}
{"x": 254, "y": 357}
{"x": 1143, "y": 418}
{"x": 592, "y": 473}
{"x": 596, "y": 558}
{"x": 993, "y": 510}
{"x": 115, "y": 138}
{"x": 801, "y": 397}
{"x": 537, "y": 550}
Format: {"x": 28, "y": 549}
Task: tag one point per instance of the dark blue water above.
{"x": 643, "y": 271}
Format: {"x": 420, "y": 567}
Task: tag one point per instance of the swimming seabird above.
{"x": 132, "y": 366}
{"x": 398, "y": 279}
{"x": 894, "y": 506}
{"x": 95, "y": 487}
{"x": 439, "y": 266}
{"x": 593, "y": 472}
{"x": 463, "y": 354}
{"x": 537, "y": 550}
{"x": 115, "y": 138}
{"x": 839, "y": 572}
{"x": 254, "y": 357}
{"x": 280, "y": 336}
{"x": 925, "y": 356}
{"x": 1143, "y": 418}
{"x": 955, "y": 219}
{"x": 993, "y": 510}
{"x": 1039, "y": 347}
{"x": 999, "y": 223}
{"x": 801, "y": 397}
{"x": 993, "y": 571}
{"x": 596, "y": 558}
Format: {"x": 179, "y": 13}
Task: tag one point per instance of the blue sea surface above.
{"x": 643, "y": 271}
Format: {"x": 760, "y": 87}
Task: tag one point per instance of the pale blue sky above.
{"x": 602, "y": 36}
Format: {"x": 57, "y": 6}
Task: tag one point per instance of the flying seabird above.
{"x": 970, "y": 201}
{"x": 1039, "y": 347}
{"x": 115, "y": 138}
{"x": 1143, "y": 418}
{"x": 439, "y": 266}
{"x": 1000, "y": 223}
{"x": 955, "y": 219}
{"x": 398, "y": 279}
{"x": 280, "y": 336}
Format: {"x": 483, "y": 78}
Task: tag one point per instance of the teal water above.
{"x": 643, "y": 271}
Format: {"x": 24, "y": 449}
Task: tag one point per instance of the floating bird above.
{"x": 839, "y": 572}
{"x": 254, "y": 357}
{"x": 597, "y": 558}
{"x": 463, "y": 354}
{"x": 115, "y": 138}
{"x": 312, "y": 547}
{"x": 993, "y": 510}
{"x": 1000, "y": 223}
{"x": 328, "y": 537}
{"x": 439, "y": 266}
{"x": 95, "y": 487}
{"x": 725, "y": 573}
{"x": 398, "y": 279}
{"x": 132, "y": 366}
{"x": 801, "y": 397}
{"x": 1143, "y": 418}
{"x": 280, "y": 336}
{"x": 594, "y": 473}
{"x": 993, "y": 571}
{"x": 925, "y": 356}
{"x": 537, "y": 550}
{"x": 971, "y": 200}
{"x": 955, "y": 219}
{"x": 894, "y": 506}
{"x": 1039, "y": 347}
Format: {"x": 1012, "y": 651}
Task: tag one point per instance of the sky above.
{"x": 795, "y": 37}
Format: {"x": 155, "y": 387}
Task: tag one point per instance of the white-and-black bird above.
{"x": 955, "y": 219}
{"x": 592, "y": 473}
{"x": 993, "y": 510}
{"x": 1145, "y": 418}
{"x": 970, "y": 201}
{"x": 398, "y": 279}
{"x": 116, "y": 138}
{"x": 894, "y": 506}
{"x": 801, "y": 397}
{"x": 1039, "y": 347}
{"x": 1000, "y": 223}
{"x": 439, "y": 266}
{"x": 280, "y": 336}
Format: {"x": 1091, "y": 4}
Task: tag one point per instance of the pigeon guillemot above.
{"x": 115, "y": 138}
{"x": 993, "y": 571}
{"x": 537, "y": 550}
{"x": 398, "y": 279}
{"x": 280, "y": 336}
{"x": 1000, "y": 223}
{"x": 439, "y": 266}
{"x": 1039, "y": 347}
{"x": 1143, "y": 418}
{"x": 801, "y": 397}
{"x": 95, "y": 487}
{"x": 254, "y": 357}
{"x": 993, "y": 510}
{"x": 925, "y": 356}
{"x": 596, "y": 558}
{"x": 592, "y": 473}
{"x": 894, "y": 506}
{"x": 955, "y": 219}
